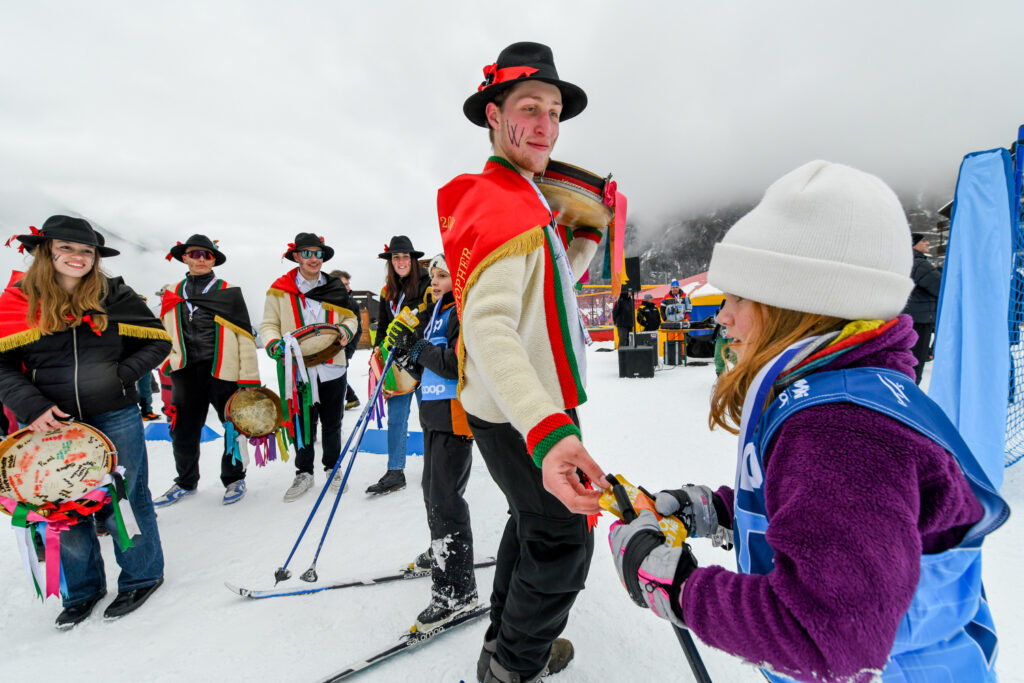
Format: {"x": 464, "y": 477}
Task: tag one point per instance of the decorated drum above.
{"x": 398, "y": 381}
{"x": 319, "y": 342}
{"x": 576, "y": 194}
{"x": 55, "y": 466}
{"x": 254, "y": 412}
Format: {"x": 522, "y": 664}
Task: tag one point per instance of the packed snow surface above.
{"x": 653, "y": 431}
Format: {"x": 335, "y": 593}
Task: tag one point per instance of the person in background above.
{"x": 447, "y": 455}
{"x": 859, "y": 512}
{"x": 213, "y": 355}
{"x": 923, "y": 301}
{"x": 146, "y": 389}
{"x": 404, "y": 277}
{"x": 622, "y": 316}
{"x": 75, "y": 342}
{"x": 648, "y": 315}
{"x": 351, "y": 400}
{"x": 676, "y": 305}
{"x": 722, "y": 340}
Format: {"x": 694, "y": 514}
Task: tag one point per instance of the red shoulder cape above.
{"x": 481, "y": 212}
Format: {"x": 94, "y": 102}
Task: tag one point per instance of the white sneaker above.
{"x": 336, "y": 482}
{"x": 303, "y": 482}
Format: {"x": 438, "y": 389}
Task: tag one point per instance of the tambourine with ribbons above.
{"x": 50, "y": 481}
{"x": 254, "y": 417}
{"x": 580, "y": 198}
{"x": 303, "y": 351}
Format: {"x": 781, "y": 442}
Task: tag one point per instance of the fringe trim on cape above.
{"x": 17, "y": 339}
{"x": 224, "y": 322}
{"x": 520, "y": 245}
{"x": 140, "y": 332}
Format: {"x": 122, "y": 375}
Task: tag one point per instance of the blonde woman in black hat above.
{"x": 405, "y": 278}
{"x": 73, "y": 342}
{"x": 214, "y": 354}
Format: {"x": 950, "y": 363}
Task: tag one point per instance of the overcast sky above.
{"x": 251, "y": 121}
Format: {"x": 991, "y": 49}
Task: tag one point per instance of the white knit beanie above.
{"x": 438, "y": 262}
{"x": 827, "y": 239}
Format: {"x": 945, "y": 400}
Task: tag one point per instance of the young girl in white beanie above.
{"x": 447, "y": 456}
{"x": 858, "y": 511}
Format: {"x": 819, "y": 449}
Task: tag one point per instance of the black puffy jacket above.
{"x": 82, "y": 373}
{"x": 924, "y": 298}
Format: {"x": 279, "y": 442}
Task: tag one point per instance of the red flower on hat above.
{"x": 386, "y": 250}
{"x": 489, "y": 72}
{"x": 290, "y": 249}
{"x": 21, "y": 248}
{"x": 169, "y": 254}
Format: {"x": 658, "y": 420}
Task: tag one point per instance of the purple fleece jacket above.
{"x": 853, "y": 498}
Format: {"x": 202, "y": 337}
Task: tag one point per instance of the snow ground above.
{"x": 194, "y": 629}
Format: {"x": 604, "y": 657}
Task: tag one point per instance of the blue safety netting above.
{"x": 1015, "y": 399}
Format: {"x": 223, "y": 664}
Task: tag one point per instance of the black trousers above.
{"x": 922, "y": 349}
{"x": 543, "y": 557}
{"x": 350, "y": 394}
{"x": 624, "y": 335}
{"x": 328, "y": 412}
{"x": 193, "y": 391}
{"x": 447, "y": 460}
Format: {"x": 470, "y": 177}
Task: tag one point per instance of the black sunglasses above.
{"x": 199, "y": 254}
{"x": 312, "y": 253}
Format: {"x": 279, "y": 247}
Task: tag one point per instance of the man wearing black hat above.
{"x": 923, "y": 301}
{"x": 213, "y": 354}
{"x": 522, "y": 360}
{"x": 305, "y": 296}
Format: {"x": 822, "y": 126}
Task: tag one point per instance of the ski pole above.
{"x": 310, "y": 574}
{"x": 282, "y": 573}
{"x": 700, "y": 673}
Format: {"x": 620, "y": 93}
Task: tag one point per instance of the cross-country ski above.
{"x": 406, "y": 642}
{"x": 306, "y": 589}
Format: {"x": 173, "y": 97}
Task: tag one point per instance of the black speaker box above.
{"x": 633, "y": 273}
{"x": 673, "y": 352}
{"x": 635, "y": 361}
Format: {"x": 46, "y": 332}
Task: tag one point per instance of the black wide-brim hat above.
{"x": 517, "y": 63}
{"x": 69, "y": 229}
{"x": 307, "y": 240}
{"x": 400, "y": 244}
{"x": 199, "y": 242}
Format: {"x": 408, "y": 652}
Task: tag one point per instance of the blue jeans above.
{"x": 142, "y": 565}
{"x": 398, "y": 428}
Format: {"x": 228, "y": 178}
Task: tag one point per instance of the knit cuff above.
{"x": 249, "y": 382}
{"x": 586, "y": 232}
{"x": 417, "y": 349}
{"x": 547, "y": 433}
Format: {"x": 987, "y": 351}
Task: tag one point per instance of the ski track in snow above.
{"x": 193, "y": 628}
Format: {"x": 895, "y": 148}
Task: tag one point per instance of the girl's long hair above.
{"x": 56, "y": 309}
{"x": 774, "y": 329}
{"x": 393, "y": 287}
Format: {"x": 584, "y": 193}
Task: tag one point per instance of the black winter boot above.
{"x": 393, "y": 480}
{"x": 72, "y": 616}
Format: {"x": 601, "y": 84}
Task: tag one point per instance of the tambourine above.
{"x": 254, "y": 412}
{"x": 319, "y": 342}
{"x": 52, "y": 467}
{"x": 576, "y": 194}
{"x": 398, "y": 381}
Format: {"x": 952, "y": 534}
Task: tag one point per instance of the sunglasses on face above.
{"x": 312, "y": 253}
{"x": 199, "y": 255}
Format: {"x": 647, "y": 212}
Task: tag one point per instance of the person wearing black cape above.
{"x": 305, "y": 296}
{"x": 73, "y": 342}
{"x": 214, "y": 354}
